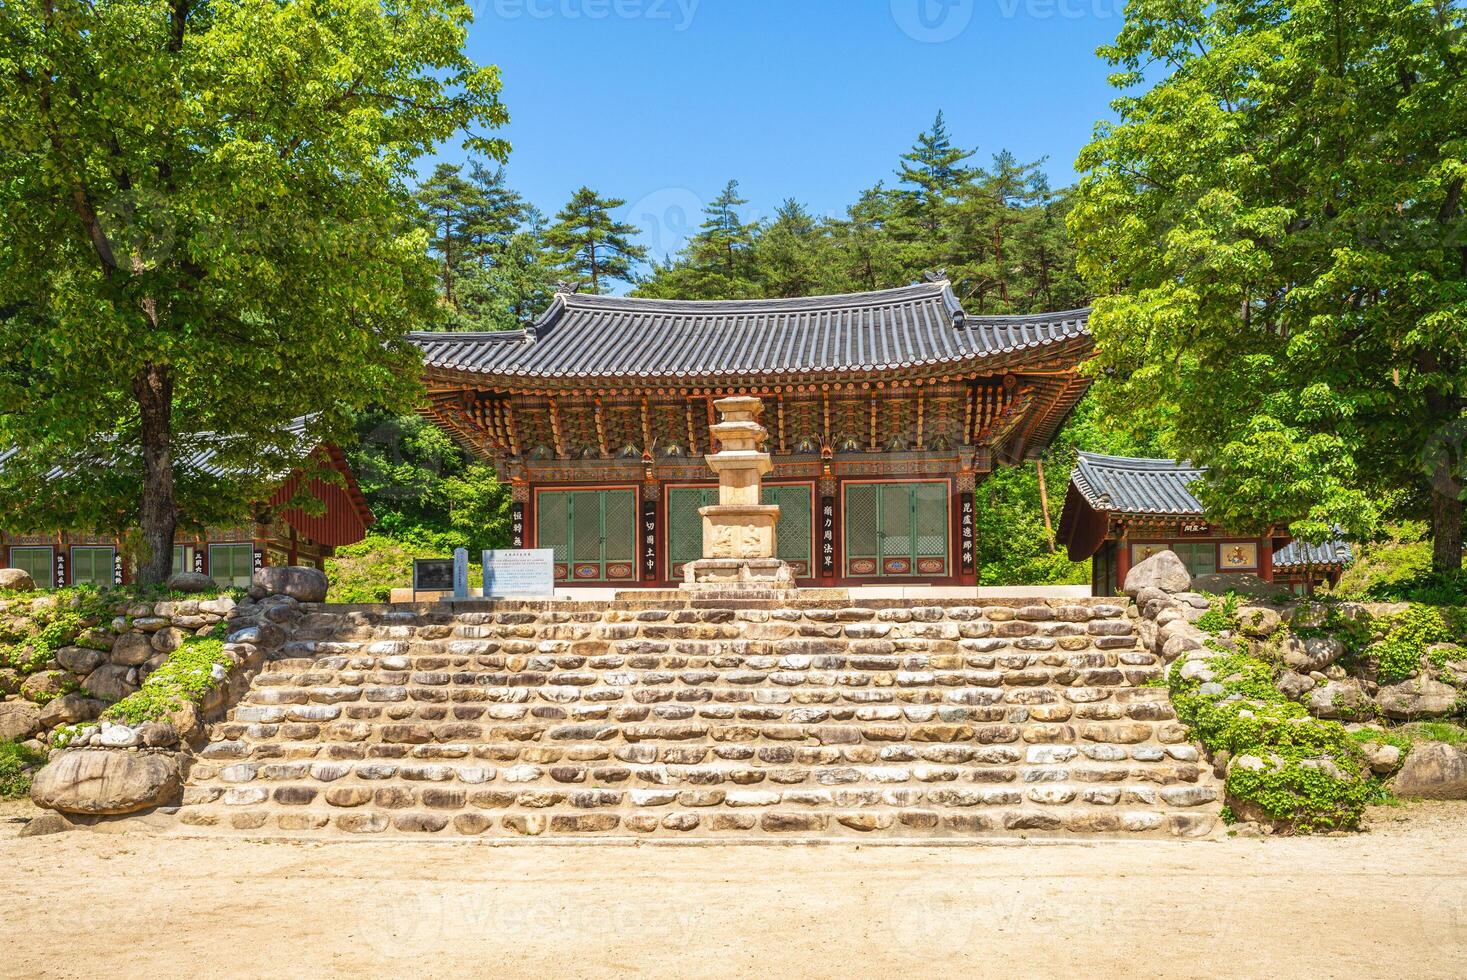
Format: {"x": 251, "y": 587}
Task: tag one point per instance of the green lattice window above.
{"x": 232, "y": 565}
{"x": 1199, "y": 557}
{"x": 896, "y": 529}
{"x": 792, "y": 534}
{"x": 92, "y": 566}
{"x": 593, "y": 533}
{"x": 38, "y": 563}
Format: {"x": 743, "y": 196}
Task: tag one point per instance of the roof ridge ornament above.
{"x": 935, "y": 275}
{"x": 565, "y": 288}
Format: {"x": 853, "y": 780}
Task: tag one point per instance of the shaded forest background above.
{"x": 995, "y": 229}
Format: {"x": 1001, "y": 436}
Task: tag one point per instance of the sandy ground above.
{"x": 1389, "y": 903}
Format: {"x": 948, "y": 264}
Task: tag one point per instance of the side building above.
{"x": 56, "y": 558}
{"x": 885, "y": 410}
{"x": 1119, "y": 511}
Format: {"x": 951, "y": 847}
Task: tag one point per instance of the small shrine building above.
{"x": 1119, "y": 511}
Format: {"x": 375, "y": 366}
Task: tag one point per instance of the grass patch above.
{"x": 15, "y": 759}
{"x": 185, "y": 677}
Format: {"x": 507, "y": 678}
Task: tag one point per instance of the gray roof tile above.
{"x": 1297, "y": 554}
{"x": 1137, "y": 486}
{"x": 615, "y": 336}
{"x": 1125, "y": 485}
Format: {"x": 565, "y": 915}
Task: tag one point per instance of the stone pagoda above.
{"x": 739, "y": 530}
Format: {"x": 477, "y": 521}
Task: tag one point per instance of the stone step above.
{"x": 696, "y": 823}
{"x": 684, "y": 720}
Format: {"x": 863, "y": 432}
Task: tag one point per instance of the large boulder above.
{"x": 300, "y": 583}
{"x": 111, "y": 682}
{"x": 19, "y": 720}
{"x": 45, "y": 685}
{"x": 1342, "y": 699}
{"x": 1242, "y": 583}
{"x": 70, "y": 709}
{"x": 101, "y": 782}
{"x": 16, "y": 580}
{"x": 1312, "y": 652}
{"x": 1419, "y": 697}
{"x": 1259, "y": 622}
{"x": 80, "y": 660}
{"x": 1163, "y": 571}
{"x": 1434, "y": 771}
{"x": 131, "y": 649}
{"x": 190, "y": 582}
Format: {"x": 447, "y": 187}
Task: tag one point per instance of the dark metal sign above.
{"x": 967, "y": 530}
{"x": 432, "y": 575}
{"x": 649, "y": 540}
{"x": 827, "y": 535}
{"x": 517, "y": 524}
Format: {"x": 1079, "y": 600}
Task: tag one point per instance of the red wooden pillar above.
{"x": 1123, "y": 558}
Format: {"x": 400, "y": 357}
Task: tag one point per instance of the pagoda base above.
{"x": 754, "y": 575}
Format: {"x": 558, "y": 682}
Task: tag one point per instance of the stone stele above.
{"x": 739, "y": 531}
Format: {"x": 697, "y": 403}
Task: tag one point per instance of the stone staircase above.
{"x": 664, "y": 716}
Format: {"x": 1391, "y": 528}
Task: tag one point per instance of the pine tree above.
{"x": 792, "y": 253}
{"x": 447, "y": 199}
{"x": 934, "y": 171}
{"x": 494, "y": 214}
{"x": 592, "y": 246}
{"x": 866, "y": 250}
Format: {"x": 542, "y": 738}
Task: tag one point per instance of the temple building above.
{"x": 1119, "y": 511}
{"x": 229, "y": 555}
{"x": 885, "y": 410}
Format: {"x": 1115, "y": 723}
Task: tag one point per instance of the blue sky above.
{"x": 660, "y": 102}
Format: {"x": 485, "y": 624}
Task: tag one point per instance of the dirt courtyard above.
{"x": 1390, "y": 903}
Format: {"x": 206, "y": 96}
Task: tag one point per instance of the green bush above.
{"x": 1312, "y": 777}
{"x": 369, "y": 570}
{"x": 1398, "y": 569}
{"x": 15, "y": 759}
{"x": 1404, "y": 639}
{"x": 186, "y": 676}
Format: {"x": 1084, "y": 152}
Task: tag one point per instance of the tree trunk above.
{"x": 1446, "y": 522}
{"x": 153, "y": 388}
{"x": 1044, "y": 503}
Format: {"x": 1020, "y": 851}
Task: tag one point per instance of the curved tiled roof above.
{"x": 1125, "y": 485}
{"x": 1297, "y": 554}
{"x": 615, "y": 336}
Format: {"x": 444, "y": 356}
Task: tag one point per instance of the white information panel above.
{"x": 519, "y": 574}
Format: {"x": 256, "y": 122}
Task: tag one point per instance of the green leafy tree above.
{"x": 423, "y": 488}
{"x": 205, "y": 227}
{"x": 591, "y": 245}
{"x": 1276, "y": 229}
